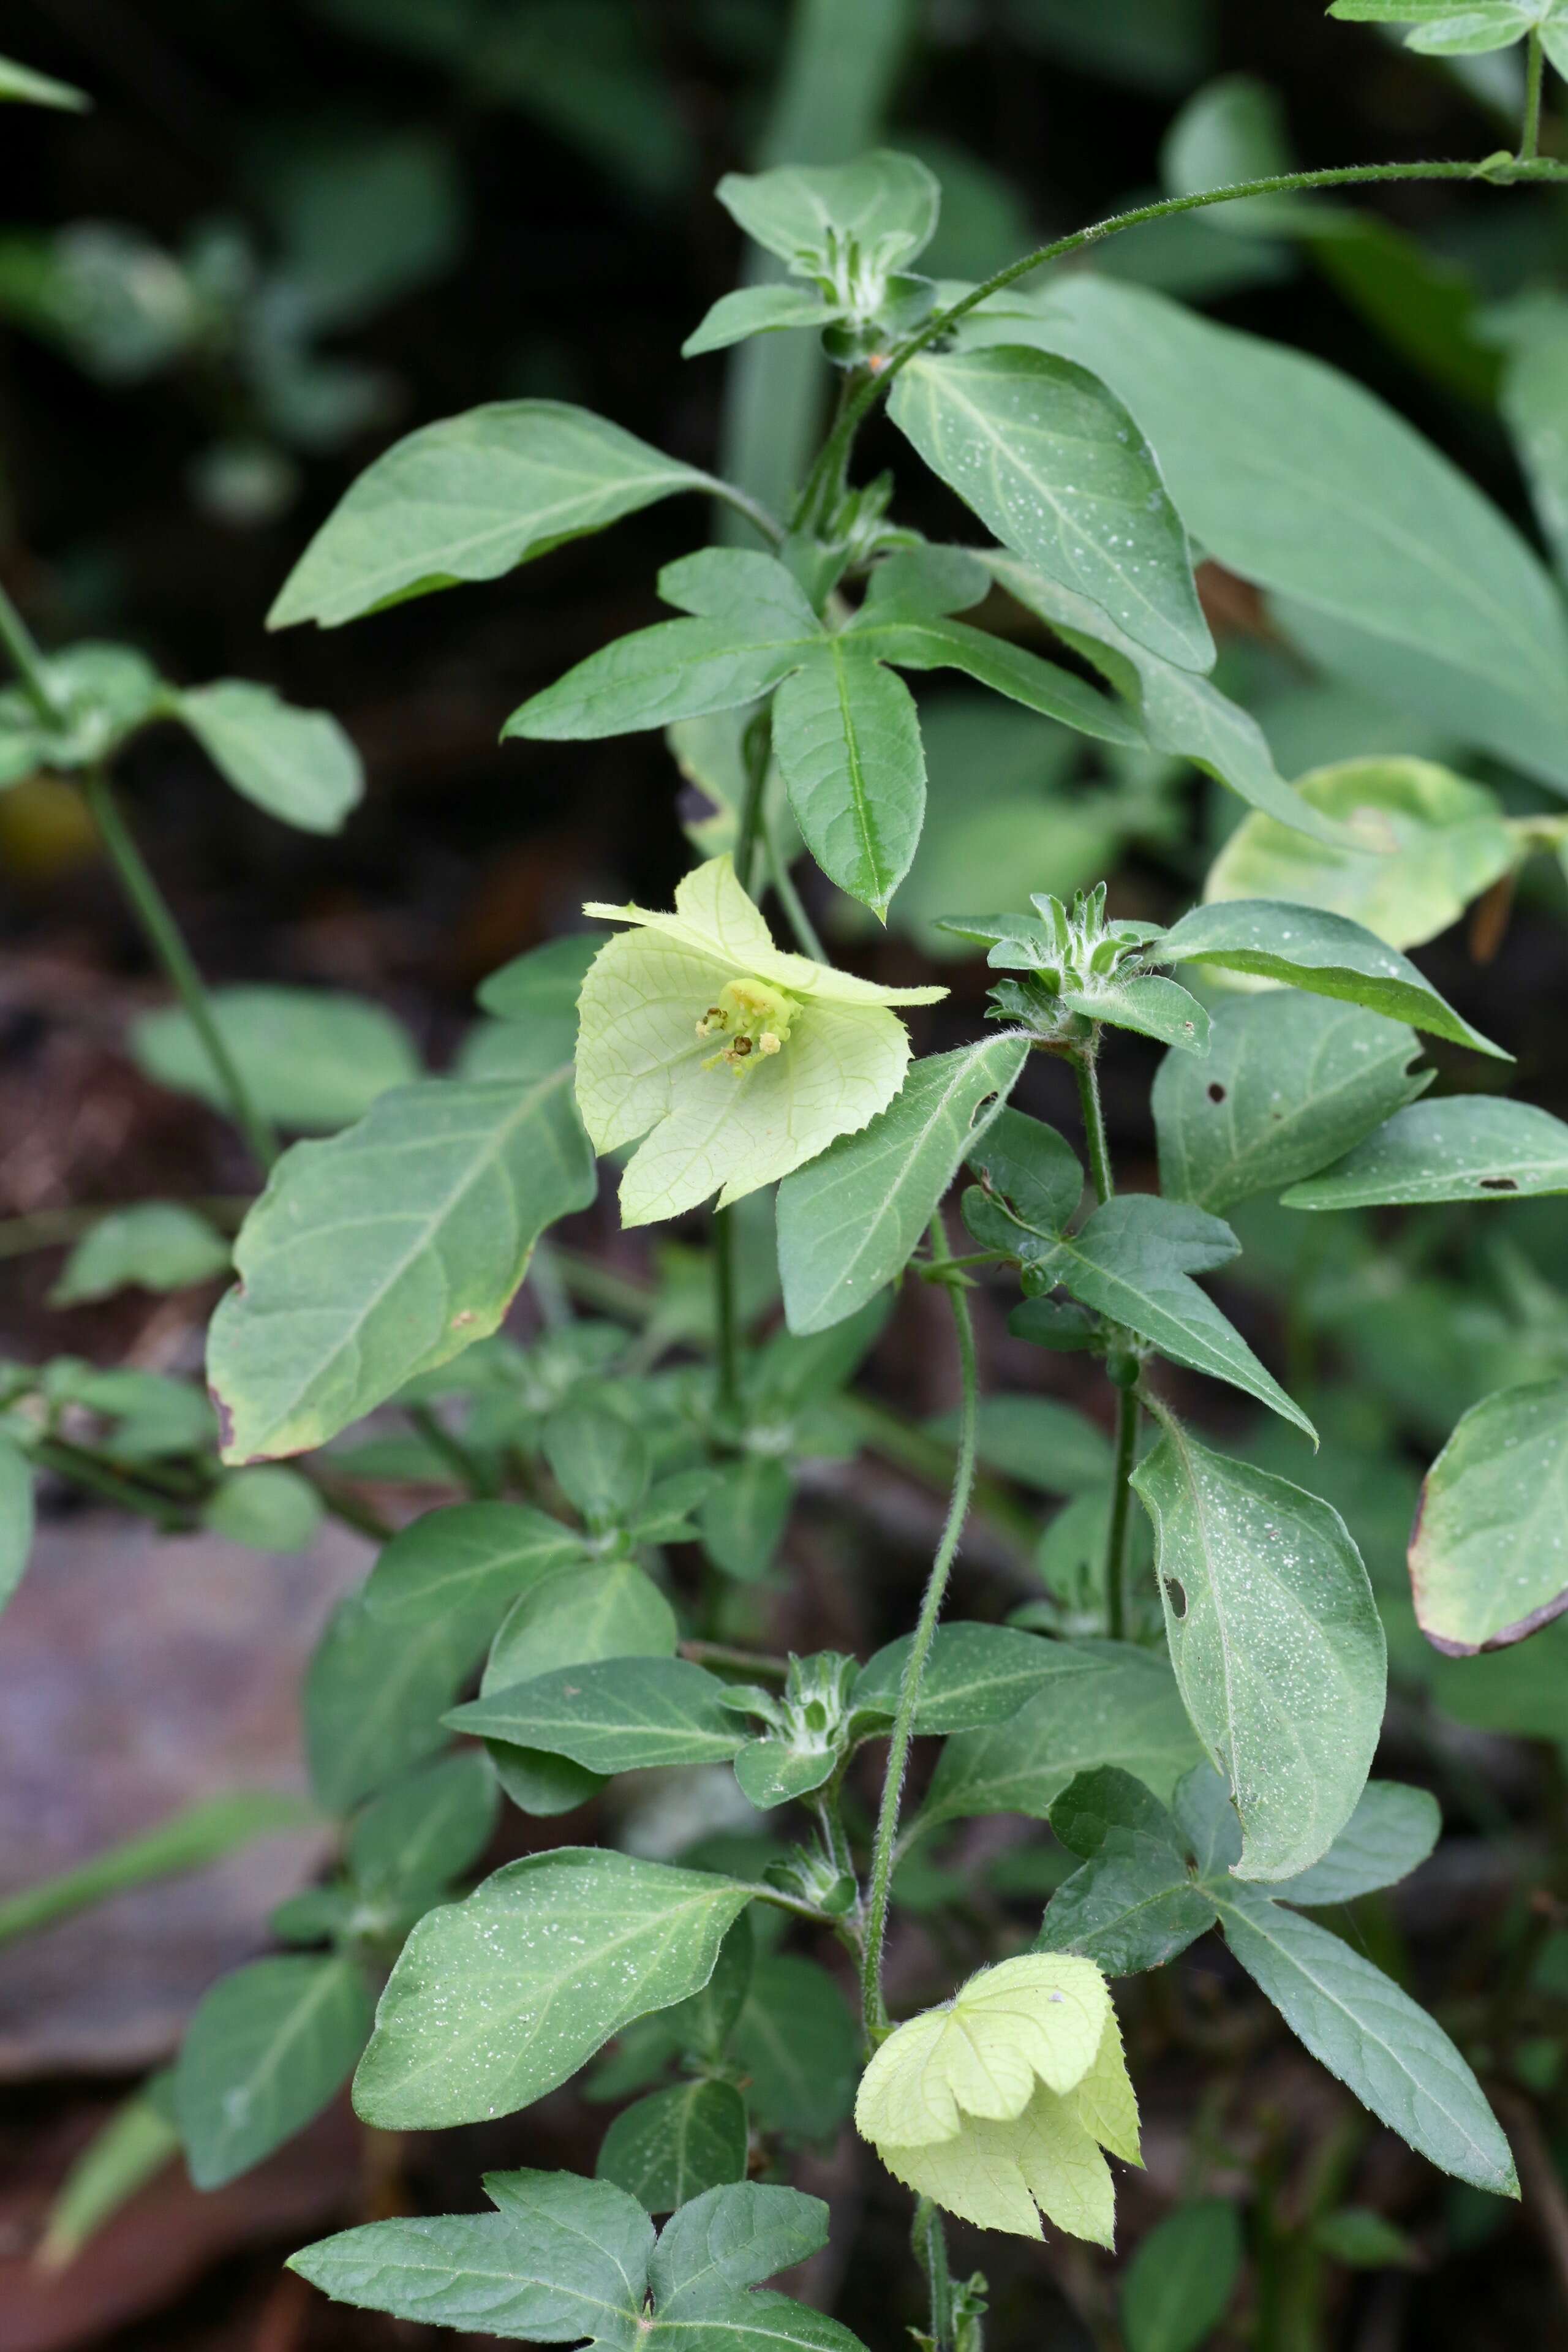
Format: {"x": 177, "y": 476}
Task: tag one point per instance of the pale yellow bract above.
{"x": 998, "y": 2104}
{"x": 725, "y": 1121}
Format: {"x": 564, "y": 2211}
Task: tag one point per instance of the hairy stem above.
{"x": 874, "y": 2008}
{"x": 929, "y": 2239}
{"x": 1534, "y": 69}
{"x": 835, "y": 449}
{"x": 1116, "y": 1610}
{"x": 165, "y": 939}
{"x": 1086, "y": 1071}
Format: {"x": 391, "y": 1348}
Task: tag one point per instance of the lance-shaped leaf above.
{"x": 1181, "y": 713}
{"x": 296, "y": 765}
{"x": 21, "y": 86}
{"x": 1133, "y": 1905}
{"x": 849, "y": 1223}
{"x": 1390, "y": 1833}
{"x": 799, "y": 2047}
{"x": 1176, "y": 2287}
{"x": 736, "y": 1062}
{"x": 1133, "y": 1261}
{"x": 1050, "y": 460}
{"x": 1327, "y": 954}
{"x": 1276, "y": 1642}
{"x": 469, "y": 1560}
{"x": 498, "y": 1999}
{"x": 1462, "y": 1148}
{"x": 757, "y": 310}
{"x": 155, "y": 1246}
{"x": 1357, "y": 2023}
{"x": 620, "y": 1715}
{"x": 974, "y": 1675}
{"x": 468, "y": 498}
{"x": 1290, "y": 1083}
{"x": 384, "y": 1251}
{"x": 677, "y": 2145}
{"x": 264, "y": 2052}
{"x": 1127, "y": 1711}
{"x": 1488, "y": 1556}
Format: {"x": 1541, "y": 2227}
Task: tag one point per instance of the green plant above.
{"x": 1198, "y": 1731}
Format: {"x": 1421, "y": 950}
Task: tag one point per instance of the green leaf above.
{"x": 1038, "y": 1441}
{"x": 677, "y": 2145}
{"x": 619, "y": 1714}
{"x": 1276, "y": 1642}
{"x": 1534, "y": 330}
{"x": 1181, "y": 713}
{"x": 1035, "y": 1168}
{"x": 563, "y": 2258}
{"x": 921, "y": 642}
{"x": 1446, "y": 28}
{"x": 1179, "y": 2282}
{"x": 104, "y": 693}
{"x": 499, "y": 1998}
{"x": 264, "y": 2051}
{"x": 297, "y": 765}
{"x": 1297, "y": 478}
{"x": 1133, "y": 1261}
{"x": 1392, "y": 1832}
{"x": 1327, "y": 954}
{"x": 888, "y": 203}
{"x": 375, "y": 1695}
{"x": 1126, "y": 1711}
{"x": 1462, "y": 1148}
{"x": 743, "y": 1516}
{"x": 470, "y": 1562}
{"x": 1363, "y": 2241}
{"x": 270, "y": 1508}
{"x": 130, "y": 2148}
{"x": 798, "y": 2046}
{"x": 542, "y": 986}
{"x": 849, "y": 1223}
{"x": 757, "y": 310}
{"x": 848, "y": 742}
{"x": 20, "y": 85}
{"x": 188, "y": 1840}
{"x": 1489, "y": 1557}
{"x": 1397, "y": 2061}
{"x": 1050, "y": 460}
{"x": 311, "y": 1059}
{"x": 1291, "y": 1082}
{"x": 1232, "y": 130}
{"x": 385, "y": 1252}
{"x": 1426, "y": 842}
{"x": 156, "y": 1245}
{"x": 15, "y": 1518}
{"x": 974, "y": 1675}
{"x": 1133, "y": 1905}
{"x": 599, "y": 1460}
{"x": 426, "y": 1830}
{"x": 468, "y": 498}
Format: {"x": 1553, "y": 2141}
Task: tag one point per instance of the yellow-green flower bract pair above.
{"x": 735, "y": 1061}
{"x": 1002, "y": 2100}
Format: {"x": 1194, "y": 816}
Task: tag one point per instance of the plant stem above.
{"x": 164, "y": 938}
{"x": 727, "y": 1384}
{"x": 30, "y": 666}
{"x": 1116, "y": 1611}
{"x": 874, "y": 2008}
{"x": 929, "y": 2241}
{"x": 1349, "y": 175}
{"x": 789, "y": 897}
{"x": 468, "y": 1472}
{"x": 1534, "y": 68}
{"x": 1086, "y": 1072}
{"x": 84, "y": 1470}
{"x": 756, "y": 749}
{"x": 772, "y": 530}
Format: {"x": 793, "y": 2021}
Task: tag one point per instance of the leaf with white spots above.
{"x": 1461, "y": 1147}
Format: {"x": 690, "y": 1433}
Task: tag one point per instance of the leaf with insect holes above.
{"x": 384, "y": 1251}
{"x": 1463, "y": 1147}
{"x": 1489, "y": 1557}
{"x": 1276, "y": 1642}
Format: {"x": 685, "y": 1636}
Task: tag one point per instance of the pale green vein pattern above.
{"x": 1276, "y": 1642}
{"x": 386, "y": 1251}
{"x": 1489, "y": 1559}
{"x": 1291, "y": 1081}
{"x": 614, "y": 1714}
{"x": 1357, "y": 2023}
{"x": 1051, "y": 461}
{"x": 849, "y": 1223}
{"x": 849, "y": 745}
{"x": 498, "y": 1999}
{"x": 468, "y": 498}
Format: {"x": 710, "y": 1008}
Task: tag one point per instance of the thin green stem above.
{"x": 756, "y": 749}
{"x": 772, "y": 530}
{"x": 929, "y": 2238}
{"x": 1535, "y": 73}
{"x": 727, "y": 1385}
{"x": 1349, "y": 175}
{"x": 83, "y": 1469}
{"x": 28, "y": 661}
{"x": 465, "y": 1469}
{"x": 164, "y": 938}
{"x": 1086, "y": 1071}
{"x": 874, "y": 2008}
{"x": 789, "y": 897}
{"x": 1116, "y": 1609}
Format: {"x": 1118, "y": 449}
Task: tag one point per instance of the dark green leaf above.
{"x": 1392, "y": 1831}
{"x": 744, "y": 1514}
{"x": 469, "y": 1560}
{"x": 1182, "y": 2277}
{"x": 264, "y": 2052}
{"x": 156, "y": 1245}
{"x": 619, "y": 1714}
{"x": 677, "y": 2145}
{"x": 799, "y": 2048}
{"x": 311, "y": 1058}
{"x": 1461, "y": 1147}
{"x": 974, "y": 1675}
{"x": 1133, "y": 1905}
{"x": 426, "y": 1830}
{"x": 1035, "y": 1168}
{"x": 374, "y": 1696}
